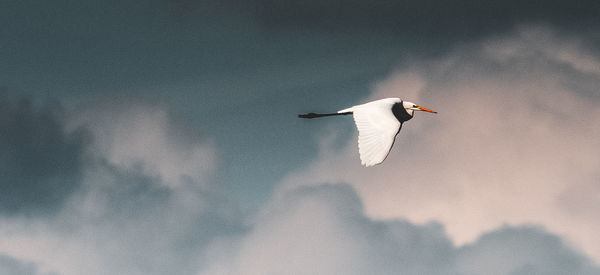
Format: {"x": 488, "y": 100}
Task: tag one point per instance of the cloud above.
{"x": 514, "y": 141}
{"x": 142, "y": 137}
{"x": 148, "y": 201}
{"x": 450, "y": 20}
{"x": 428, "y": 24}
{"x": 321, "y": 229}
{"x": 140, "y": 207}
{"x": 40, "y": 164}
{"x": 11, "y": 266}
{"x": 521, "y": 250}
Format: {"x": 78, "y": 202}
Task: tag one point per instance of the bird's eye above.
{"x": 415, "y": 106}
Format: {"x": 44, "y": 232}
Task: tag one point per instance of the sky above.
{"x": 161, "y": 137}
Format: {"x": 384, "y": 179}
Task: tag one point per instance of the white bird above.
{"x": 378, "y": 122}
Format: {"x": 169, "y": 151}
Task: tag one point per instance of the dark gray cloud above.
{"x": 40, "y": 164}
{"x": 430, "y": 20}
{"x": 448, "y": 19}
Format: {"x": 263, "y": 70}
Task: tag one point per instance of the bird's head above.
{"x": 411, "y": 107}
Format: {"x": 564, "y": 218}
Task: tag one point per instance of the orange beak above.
{"x": 426, "y": 110}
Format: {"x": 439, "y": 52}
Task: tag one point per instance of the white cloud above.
{"x": 515, "y": 141}
{"x": 322, "y": 230}
{"x": 136, "y": 136}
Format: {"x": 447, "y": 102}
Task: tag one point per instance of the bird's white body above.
{"x": 377, "y": 129}
{"x": 378, "y": 122}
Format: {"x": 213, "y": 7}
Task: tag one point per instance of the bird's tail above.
{"x": 313, "y": 115}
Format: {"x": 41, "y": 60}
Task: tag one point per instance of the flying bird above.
{"x": 378, "y": 122}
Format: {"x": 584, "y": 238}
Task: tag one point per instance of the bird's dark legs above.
{"x": 313, "y": 115}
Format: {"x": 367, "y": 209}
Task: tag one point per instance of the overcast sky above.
{"x": 161, "y": 137}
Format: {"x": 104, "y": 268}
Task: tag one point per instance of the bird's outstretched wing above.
{"x": 377, "y": 130}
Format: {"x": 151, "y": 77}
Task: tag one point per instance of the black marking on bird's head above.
{"x": 400, "y": 112}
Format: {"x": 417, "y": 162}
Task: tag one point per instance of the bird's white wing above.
{"x": 377, "y": 129}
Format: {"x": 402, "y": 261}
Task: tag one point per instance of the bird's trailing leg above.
{"x": 313, "y": 115}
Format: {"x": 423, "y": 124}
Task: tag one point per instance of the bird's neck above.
{"x": 400, "y": 113}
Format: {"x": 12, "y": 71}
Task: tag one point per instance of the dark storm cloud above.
{"x": 429, "y": 18}
{"x": 40, "y": 164}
